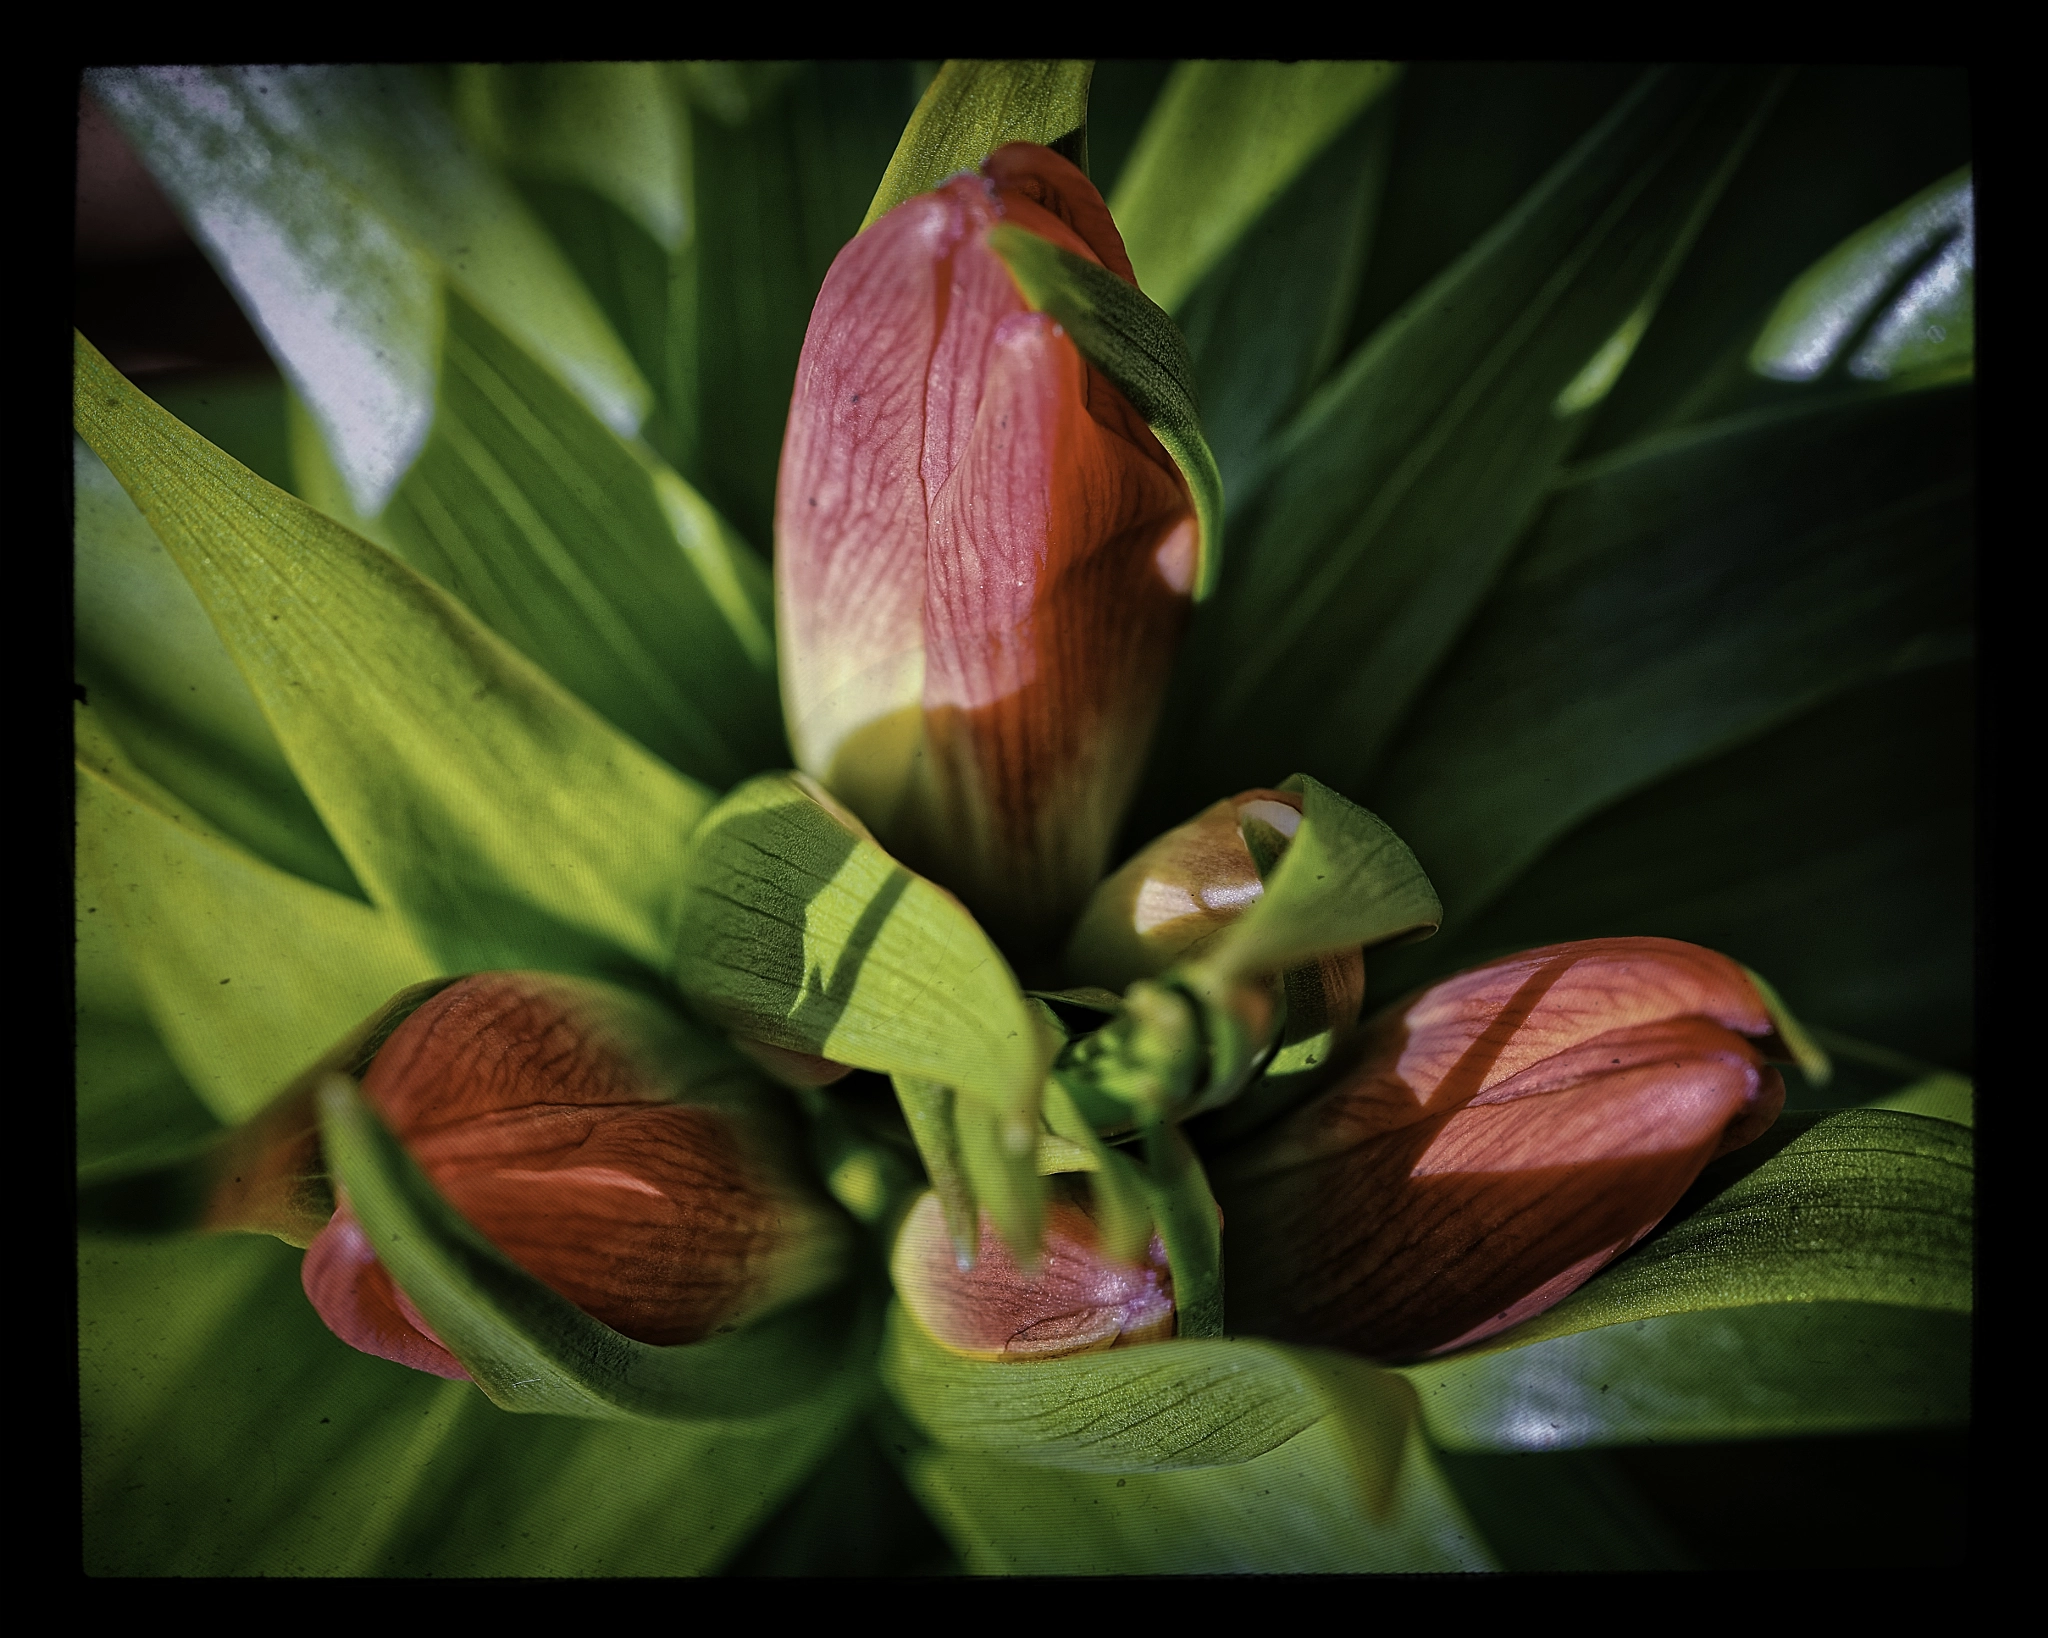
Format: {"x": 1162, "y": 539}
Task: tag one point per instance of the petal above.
{"x": 354, "y": 1297}
{"x": 1077, "y": 1301}
{"x": 1035, "y": 183}
{"x": 1049, "y": 628}
{"x": 1467, "y": 1221}
{"x": 850, "y": 498}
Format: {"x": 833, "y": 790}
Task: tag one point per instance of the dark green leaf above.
{"x": 1413, "y": 471}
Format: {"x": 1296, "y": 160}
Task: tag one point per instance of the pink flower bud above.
{"x": 1490, "y": 1144}
{"x": 983, "y": 555}
{"x": 1076, "y": 1302}
{"x": 556, "y": 1118}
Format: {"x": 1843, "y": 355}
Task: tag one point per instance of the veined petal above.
{"x": 355, "y": 1299}
{"x": 850, "y": 503}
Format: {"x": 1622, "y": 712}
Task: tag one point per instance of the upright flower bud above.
{"x": 983, "y": 555}
{"x": 1077, "y": 1301}
{"x": 559, "y": 1117}
{"x": 1492, "y": 1143}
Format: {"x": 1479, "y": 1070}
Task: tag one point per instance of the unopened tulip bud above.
{"x": 573, "y": 1126}
{"x": 984, "y": 557}
{"x": 1077, "y": 1301}
{"x": 1490, "y": 1144}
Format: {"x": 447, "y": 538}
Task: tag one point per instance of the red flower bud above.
{"x": 1493, "y": 1142}
{"x": 552, "y": 1115}
{"x": 983, "y": 555}
{"x": 1077, "y": 1301}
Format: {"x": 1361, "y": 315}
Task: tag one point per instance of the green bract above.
{"x": 1595, "y": 451}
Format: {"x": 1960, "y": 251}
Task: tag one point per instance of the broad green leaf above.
{"x": 491, "y": 812}
{"x": 1818, "y": 1281}
{"x": 1140, "y": 349}
{"x": 799, "y": 930}
{"x": 1223, "y": 141}
{"x": 226, "y": 1432}
{"x": 159, "y": 680}
{"x": 1267, "y": 321}
{"x": 1833, "y": 854}
{"x": 1940, "y": 1096}
{"x": 971, "y": 109}
{"x": 588, "y": 554}
{"x": 1402, "y": 487}
{"x": 339, "y": 203}
{"x": 532, "y": 1350}
{"x": 1345, "y": 880}
{"x": 619, "y": 129}
{"x": 1838, "y": 539}
{"x": 1151, "y": 1407}
{"x": 248, "y": 973}
{"x": 1329, "y": 1500}
{"x": 780, "y": 191}
{"x": 1895, "y": 297}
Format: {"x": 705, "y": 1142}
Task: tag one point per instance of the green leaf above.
{"x": 1191, "y": 1226}
{"x": 1223, "y": 141}
{"x": 1940, "y": 1096}
{"x": 1897, "y": 296}
{"x": 591, "y": 557}
{"x": 159, "y": 681}
{"x": 1340, "y": 1496}
{"x": 1345, "y": 880}
{"x": 1676, "y": 600}
{"x": 799, "y": 930}
{"x": 248, "y": 973}
{"x": 1562, "y": 1510}
{"x": 780, "y": 190}
{"x": 971, "y": 109}
{"x": 1141, "y": 350}
{"x": 339, "y": 203}
{"x": 1267, "y": 321}
{"x": 1410, "y": 475}
{"x": 1151, "y": 1407}
{"x": 532, "y": 1350}
{"x": 493, "y": 813}
{"x": 1818, "y": 1281}
{"x": 196, "y": 1353}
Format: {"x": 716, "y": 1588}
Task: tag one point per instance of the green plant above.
{"x": 1596, "y": 449}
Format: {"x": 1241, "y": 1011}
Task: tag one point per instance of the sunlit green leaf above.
{"x": 972, "y": 108}
{"x": 339, "y": 203}
{"x": 160, "y": 682}
{"x": 468, "y": 792}
{"x": 1223, "y": 141}
{"x": 1819, "y": 1281}
{"x": 248, "y": 973}
{"x": 588, "y": 554}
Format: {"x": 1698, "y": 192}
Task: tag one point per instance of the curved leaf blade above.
{"x": 469, "y": 793}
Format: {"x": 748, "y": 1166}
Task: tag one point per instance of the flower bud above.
{"x": 608, "y": 1155}
{"x": 983, "y": 555}
{"x": 1487, "y": 1146}
{"x": 1078, "y": 1301}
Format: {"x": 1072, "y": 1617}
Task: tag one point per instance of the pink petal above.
{"x": 355, "y": 1298}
